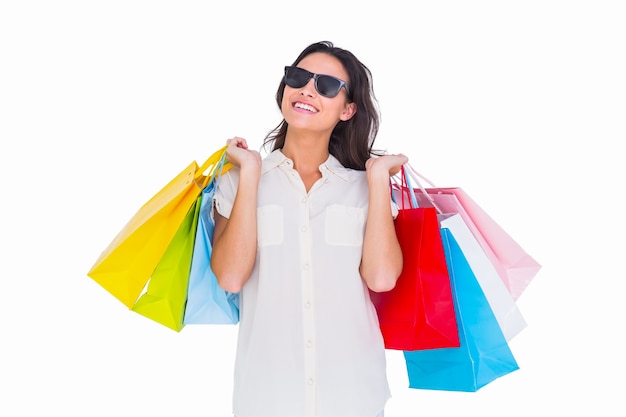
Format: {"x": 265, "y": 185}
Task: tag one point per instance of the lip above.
{"x": 304, "y": 107}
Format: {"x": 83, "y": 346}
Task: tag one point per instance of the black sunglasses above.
{"x": 326, "y": 85}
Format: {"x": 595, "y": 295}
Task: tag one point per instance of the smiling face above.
{"x": 305, "y": 108}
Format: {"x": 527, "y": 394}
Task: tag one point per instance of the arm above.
{"x": 235, "y": 238}
{"x": 381, "y": 261}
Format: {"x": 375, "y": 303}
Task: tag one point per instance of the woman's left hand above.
{"x": 390, "y": 164}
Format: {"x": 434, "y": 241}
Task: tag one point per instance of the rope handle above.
{"x": 408, "y": 175}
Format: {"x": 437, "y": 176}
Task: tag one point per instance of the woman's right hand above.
{"x": 238, "y": 154}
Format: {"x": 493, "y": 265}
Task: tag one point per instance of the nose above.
{"x": 309, "y": 88}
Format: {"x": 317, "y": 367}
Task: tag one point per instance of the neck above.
{"x": 306, "y": 152}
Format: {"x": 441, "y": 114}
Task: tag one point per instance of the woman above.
{"x": 303, "y": 235}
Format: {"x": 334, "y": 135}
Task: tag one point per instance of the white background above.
{"x": 101, "y": 102}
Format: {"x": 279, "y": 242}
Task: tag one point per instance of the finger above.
{"x": 238, "y": 142}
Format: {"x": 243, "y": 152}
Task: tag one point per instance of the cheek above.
{"x": 284, "y": 105}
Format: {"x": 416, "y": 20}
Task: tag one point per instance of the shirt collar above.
{"x": 332, "y": 165}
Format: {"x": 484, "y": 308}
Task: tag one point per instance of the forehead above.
{"x": 321, "y": 63}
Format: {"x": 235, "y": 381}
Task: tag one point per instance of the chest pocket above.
{"x": 270, "y": 225}
{"x": 345, "y": 226}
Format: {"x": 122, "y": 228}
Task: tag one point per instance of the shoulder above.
{"x": 274, "y": 159}
{"x": 348, "y": 175}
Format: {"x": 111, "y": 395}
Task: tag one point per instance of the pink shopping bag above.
{"x": 514, "y": 265}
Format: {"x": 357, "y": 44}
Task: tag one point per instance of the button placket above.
{"x": 308, "y": 304}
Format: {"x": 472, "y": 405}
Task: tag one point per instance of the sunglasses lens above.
{"x": 328, "y": 86}
{"x": 296, "y": 77}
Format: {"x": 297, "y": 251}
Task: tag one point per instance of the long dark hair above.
{"x": 352, "y": 141}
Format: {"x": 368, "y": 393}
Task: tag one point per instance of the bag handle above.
{"x": 214, "y": 162}
{"x": 404, "y": 186}
{"x": 416, "y": 175}
{"x": 408, "y": 175}
{"x": 408, "y": 186}
{"x": 221, "y": 167}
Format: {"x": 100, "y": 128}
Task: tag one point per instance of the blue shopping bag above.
{"x": 207, "y": 302}
{"x": 483, "y": 355}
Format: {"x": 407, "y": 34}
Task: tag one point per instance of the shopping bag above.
{"x": 124, "y": 267}
{"x": 514, "y": 265}
{"x": 500, "y": 299}
{"x": 166, "y": 292}
{"x": 504, "y": 307}
{"x": 207, "y": 302}
{"x": 484, "y": 354}
{"x": 418, "y": 313}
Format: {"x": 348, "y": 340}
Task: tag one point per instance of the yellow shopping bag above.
{"x": 125, "y": 266}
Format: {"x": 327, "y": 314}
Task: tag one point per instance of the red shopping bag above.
{"x": 418, "y": 313}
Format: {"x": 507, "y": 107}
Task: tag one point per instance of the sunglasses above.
{"x": 326, "y": 85}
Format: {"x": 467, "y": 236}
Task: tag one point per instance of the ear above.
{"x": 348, "y": 112}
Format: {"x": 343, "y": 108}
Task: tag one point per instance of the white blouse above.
{"x": 309, "y": 341}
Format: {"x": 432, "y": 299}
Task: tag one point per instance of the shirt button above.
{"x": 304, "y": 200}
{"x": 307, "y": 304}
{"x": 309, "y": 344}
{"x": 305, "y": 266}
{"x": 303, "y": 228}
{"x": 310, "y": 381}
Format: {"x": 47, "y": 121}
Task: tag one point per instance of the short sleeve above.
{"x": 394, "y": 209}
{"x": 224, "y": 196}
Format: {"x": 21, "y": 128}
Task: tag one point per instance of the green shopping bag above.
{"x": 166, "y": 293}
